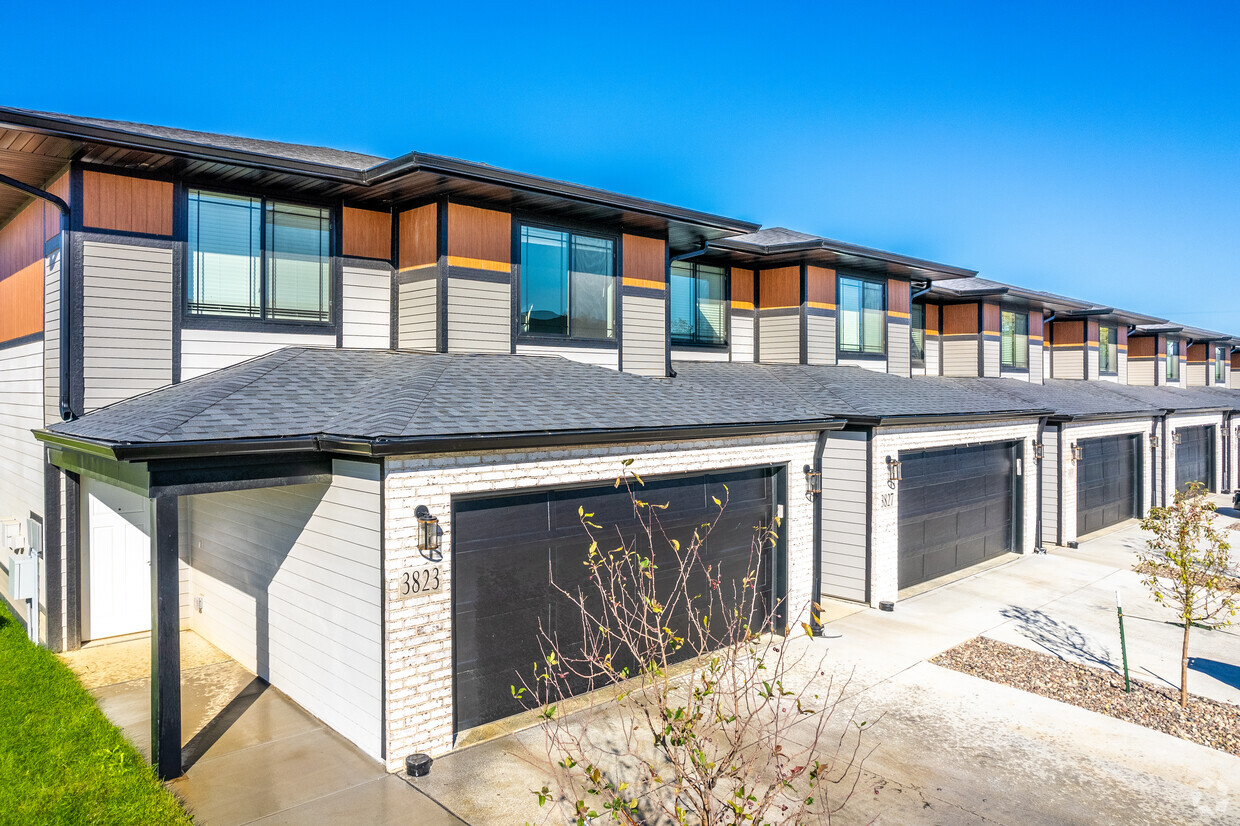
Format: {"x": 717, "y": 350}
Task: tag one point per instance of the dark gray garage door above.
{"x": 1108, "y": 485}
{"x": 956, "y": 508}
{"x": 1194, "y": 457}
{"x": 505, "y": 547}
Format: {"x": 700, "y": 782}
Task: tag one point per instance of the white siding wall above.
{"x": 1141, "y": 371}
{"x": 845, "y": 529}
{"x": 291, "y": 587}
{"x": 1035, "y": 362}
{"x": 603, "y": 357}
{"x": 1121, "y": 373}
{"x": 1092, "y": 355}
{"x": 779, "y": 339}
{"x": 21, "y": 389}
{"x": 51, "y": 338}
{"x": 899, "y": 347}
{"x": 126, "y": 321}
{"x": 417, "y": 320}
{"x": 820, "y": 339}
{"x": 960, "y": 356}
{"x": 1195, "y": 373}
{"x": 742, "y": 337}
{"x": 877, "y": 365}
{"x": 644, "y": 335}
{"x": 695, "y": 354}
{"x": 1050, "y": 486}
{"x": 1069, "y": 363}
{"x": 933, "y": 347}
{"x": 479, "y": 316}
{"x": 990, "y": 357}
{"x": 366, "y": 314}
{"x": 205, "y": 350}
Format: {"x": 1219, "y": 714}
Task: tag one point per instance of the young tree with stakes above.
{"x": 1187, "y": 566}
{"x": 711, "y": 718}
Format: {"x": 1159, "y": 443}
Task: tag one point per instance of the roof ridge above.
{"x": 425, "y": 395}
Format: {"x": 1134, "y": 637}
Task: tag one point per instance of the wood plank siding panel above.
{"x": 367, "y": 301}
{"x": 960, "y": 319}
{"x": 21, "y": 302}
{"x": 291, "y": 585}
{"x": 845, "y": 527}
{"x": 126, "y": 321}
{"x": 479, "y": 238}
{"x": 644, "y": 262}
{"x": 419, "y": 237}
{"x": 366, "y": 234}
{"x": 119, "y": 202}
{"x": 779, "y": 288}
{"x": 21, "y": 240}
{"x": 741, "y": 338}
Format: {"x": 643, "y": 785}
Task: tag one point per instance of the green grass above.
{"x": 61, "y": 761}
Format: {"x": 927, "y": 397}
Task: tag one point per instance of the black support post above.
{"x": 165, "y": 640}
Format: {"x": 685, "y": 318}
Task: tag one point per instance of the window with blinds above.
{"x": 698, "y": 304}
{"x": 1173, "y": 360}
{"x": 255, "y": 258}
{"x": 862, "y": 316}
{"x": 1108, "y": 349}
{"x": 568, "y": 285}
{"x": 1220, "y": 364}
{"x": 917, "y": 349}
{"x": 1014, "y": 339}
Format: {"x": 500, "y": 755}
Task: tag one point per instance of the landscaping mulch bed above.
{"x": 1207, "y": 722}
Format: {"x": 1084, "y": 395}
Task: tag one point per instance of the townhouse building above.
{"x": 337, "y": 414}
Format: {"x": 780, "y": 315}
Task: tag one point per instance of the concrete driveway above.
{"x": 951, "y": 748}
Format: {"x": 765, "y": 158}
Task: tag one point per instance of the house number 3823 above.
{"x": 416, "y": 582}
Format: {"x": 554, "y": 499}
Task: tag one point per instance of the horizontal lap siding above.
{"x": 51, "y": 339}
{"x": 779, "y": 339}
{"x": 21, "y": 388}
{"x": 1050, "y": 486}
{"x": 205, "y": 350}
{"x": 601, "y": 356}
{"x": 844, "y": 524}
{"x": 960, "y": 356}
{"x": 126, "y": 321}
{"x": 479, "y": 316}
{"x": 820, "y": 339}
{"x": 291, "y": 586}
{"x": 899, "y": 347}
{"x": 645, "y": 335}
{"x": 417, "y": 315}
{"x": 741, "y": 344}
{"x": 367, "y": 310}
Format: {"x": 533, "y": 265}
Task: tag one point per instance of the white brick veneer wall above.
{"x": 1075, "y": 433}
{"x": 1175, "y": 422}
{"x": 885, "y": 540}
{"x": 418, "y": 637}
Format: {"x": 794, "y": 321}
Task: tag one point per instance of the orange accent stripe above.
{"x": 822, "y": 305}
{"x": 895, "y": 314}
{"x": 478, "y": 264}
{"x": 742, "y": 305}
{"x": 415, "y": 267}
{"x": 644, "y": 283}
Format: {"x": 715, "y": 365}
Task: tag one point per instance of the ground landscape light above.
{"x": 428, "y": 529}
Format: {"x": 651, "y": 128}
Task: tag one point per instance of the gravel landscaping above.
{"x": 1207, "y": 722}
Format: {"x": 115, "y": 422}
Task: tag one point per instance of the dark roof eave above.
{"x": 1092, "y": 417}
{"x": 946, "y": 270}
{"x": 948, "y": 418}
{"x": 150, "y": 451}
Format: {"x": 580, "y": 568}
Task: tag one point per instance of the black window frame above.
{"x": 1167, "y": 358}
{"x": 694, "y": 340}
{"x": 1016, "y": 312}
{"x": 216, "y": 321}
{"x": 861, "y": 352}
{"x": 914, "y": 328}
{"x": 519, "y": 283}
{"x": 1220, "y": 363}
{"x": 1114, "y": 328}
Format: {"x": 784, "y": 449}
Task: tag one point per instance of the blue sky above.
{"x": 1090, "y": 149}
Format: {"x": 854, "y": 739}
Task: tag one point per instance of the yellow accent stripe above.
{"x": 821, "y": 305}
{"x": 742, "y": 305}
{"x": 478, "y": 264}
{"x": 1038, "y": 339}
{"x": 415, "y": 267}
{"x": 643, "y": 283}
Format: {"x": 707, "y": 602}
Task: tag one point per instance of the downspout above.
{"x": 66, "y": 305}
{"x": 690, "y": 254}
{"x": 1165, "y": 469}
{"x": 922, "y": 291}
{"x": 1038, "y": 547}
{"x": 820, "y": 446}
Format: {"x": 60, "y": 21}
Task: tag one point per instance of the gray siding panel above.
{"x": 844, "y": 526}
{"x": 1050, "y": 486}
{"x": 643, "y": 338}
{"x": 932, "y": 355}
{"x": 898, "y": 349}
{"x": 742, "y": 337}
{"x": 21, "y": 389}
{"x": 479, "y": 316}
{"x": 205, "y": 350}
{"x": 990, "y": 357}
{"x": 127, "y": 314}
{"x": 1122, "y": 372}
{"x": 291, "y": 583}
{"x": 417, "y": 315}
{"x": 1068, "y": 364}
{"x": 51, "y": 338}
{"x": 366, "y": 313}
{"x": 960, "y": 356}
{"x": 779, "y": 339}
{"x": 1035, "y": 363}
{"x": 820, "y": 339}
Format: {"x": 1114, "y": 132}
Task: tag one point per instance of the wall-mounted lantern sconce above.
{"x": 894, "y": 470}
{"x": 1039, "y": 451}
{"x": 1175, "y": 438}
{"x": 1154, "y": 441}
{"x": 813, "y": 483}
{"x": 1077, "y": 452}
{"x": 428, "y": 529}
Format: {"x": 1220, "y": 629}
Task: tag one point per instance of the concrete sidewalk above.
{"x": 952, "y": 748}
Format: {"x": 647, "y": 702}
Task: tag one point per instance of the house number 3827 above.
{"x": 416, "y": 582}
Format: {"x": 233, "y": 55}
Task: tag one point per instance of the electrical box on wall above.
{"x": 23, "y": 577}
{"x": 13, "y": 539}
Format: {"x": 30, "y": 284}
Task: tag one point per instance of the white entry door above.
{"x": 117, "y": 587}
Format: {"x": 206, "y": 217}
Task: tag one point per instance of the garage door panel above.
{"x": 955, "y": 509}
{"x": 1107, "y": 485}
{"x": 1194, "y": 457}
{"x": 497, "y": 628}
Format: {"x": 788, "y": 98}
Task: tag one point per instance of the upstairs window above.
{"x": 568, "y": 285}
{"x": 255, "y": 258}
{"x": 1220, "y": 363}
{"x": 1173, "y": 360}
{"x": 917, "y": 349}
{"x": 699, "y": 303}
{"x": 1014, "y": 339}
{"x": 863, "y": 316}
{"x": 1108, "y": 349}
